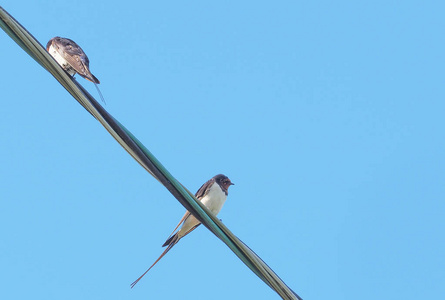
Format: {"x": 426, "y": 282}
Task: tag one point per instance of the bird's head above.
{"x": 223, "y": 181}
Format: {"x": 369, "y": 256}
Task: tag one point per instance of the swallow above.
{"x": 212, "y": 194}
{"x": 72, "y": 59}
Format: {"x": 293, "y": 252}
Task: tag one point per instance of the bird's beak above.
{"x": 232, "y": 183}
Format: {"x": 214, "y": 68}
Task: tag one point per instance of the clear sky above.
{"x": 327, "y": 115}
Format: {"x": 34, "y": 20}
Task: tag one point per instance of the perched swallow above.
{"x": 212, "y": 194}
{"x": 71, "y": 57}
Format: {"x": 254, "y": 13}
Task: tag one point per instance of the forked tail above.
{"x": 173, "y": 241}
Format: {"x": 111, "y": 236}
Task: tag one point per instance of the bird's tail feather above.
{"x": 172, "y": 241}
{"x": 91, "y": 78}
{"x": 186, "y": 215}
{"x": 169, "y": 240}
{"x": 100, "y": 94}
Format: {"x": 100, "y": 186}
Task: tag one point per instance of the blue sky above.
{"x": 328, "y": 117}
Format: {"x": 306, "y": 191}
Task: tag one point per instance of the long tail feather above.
{"x": 173, "y": 241}
{"x": 100, "y": 94}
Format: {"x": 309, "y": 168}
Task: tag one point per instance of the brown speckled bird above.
{"x": 71, "y": 57}
{"x": 73, "y": 60}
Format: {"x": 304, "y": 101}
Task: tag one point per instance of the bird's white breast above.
{"x": 215, "y": 199}
{"x": 61, "y": 60}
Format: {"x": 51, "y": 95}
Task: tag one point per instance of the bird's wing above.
{"x": 204, "y": 189}
{"x": 202, "y": 192}
{"x": 75, "y": 56}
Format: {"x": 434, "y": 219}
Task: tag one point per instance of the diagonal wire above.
{"x": 143, "y": 156}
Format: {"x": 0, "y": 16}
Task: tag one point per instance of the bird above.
{"x": 72, "y": 59}
{"x": 212, "y": 194}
